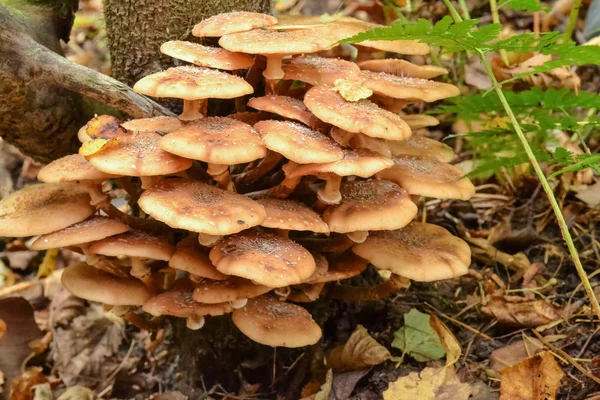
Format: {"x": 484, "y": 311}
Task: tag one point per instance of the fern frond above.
{"x": 525, "y": 5}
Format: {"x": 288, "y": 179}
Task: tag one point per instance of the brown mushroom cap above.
{"x": 216, "y": 140}
{"x": 370, "y": 205}
{"x": 339, "y": 267}
{"x": 421, "y": 252}
{"x": 305, "y": 293}
{"x": 198, "y": 207}
{"x": 399, "y": 67}
{"x": 249, "y": 117}
{"x": 71, "y": 168}
{"x": 137, "y": 155}
{"x": 360, "y": 162}
{"x": 298, "y": 143}
{"x": 193, "y": 83}
{"x": 418, "y": 121}
{"x": 291, "y": 215}
{"x": 428, "y": 177}
{"x": 134, "y": 244}
{"x": 356, "y": 140}
{"x": 94, "y": 228}
{"x": 266, "y": 259}
{"x": 44, "y": 208}
{"x": 228, "y": 290}
{"x": 92, "y": 284}
{"x": 274, "y": 42}
{"x": 320, "y": 70}
{"x": 360, "y": 116}
{"x": 287, "y": 107}
{"x": 205, "y": 56}
{"x": 155, "y": 124}
{"x": 232, "y": 22}
{"x": 423, "y": 147}
{"x": 189, "y": 257}
{"x": 275, "y": 323}
{"x": 402, "y": 87}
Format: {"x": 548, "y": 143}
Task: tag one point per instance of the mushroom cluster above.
{"x": 253, "y": 212}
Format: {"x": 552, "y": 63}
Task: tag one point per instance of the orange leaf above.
{"x": 536, "y": 378}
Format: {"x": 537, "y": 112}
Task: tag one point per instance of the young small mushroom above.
{"x": 370, "y": 205}
{"x": 395, "y": 66}
{"x": 287, "y": 107}
{"x": 232, "y": 22}
{"x": 428, "y": 177}
{"x": 402, "y": 87}
{"x": 316, "y": 70}
{"x": 235, "y": 291}
{"x": 266, "y": 259}
{"x": 44, "y": 208}
{"x": 205, "y": 56}
{"x": 274, "y": 323}
{"x": 92, "y": 284}
{"x": 190, "y": 258}
{"x": 423, "y": 147}
{"x": 288, "y": 215}
{"x": 419, "y": 251}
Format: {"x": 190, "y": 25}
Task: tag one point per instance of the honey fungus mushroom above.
{"x": 288, "y": 215}
{"x": 205, "y": 56}
{"x": 232, "y": 22}
{"x": 234, "y": 290}
{"x": 399, "y": 67}
{"x": 316, "y": 70}
{"x": 287, "y": 107}
{"x": 189, "y": 257}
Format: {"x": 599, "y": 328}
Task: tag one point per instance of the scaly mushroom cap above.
{"x": 370, "y": 205}
{"x": 92, "y": 284}
{"x": 137, "y": 155}
{"x": 360, "y": 116}
{"x": 178, "y": 302}
{"x": 428, "y": 177}
{"x": 193, "y": 83}
{"x": 205, "y": 56}
{"x": 198, "y": 207}
{"x": 274, "y": 323}
{"x": 249, "y": 117}
{"x": 399, "y": 67}
{"x": 422, "y": 147}
{"x": 291, "y": 215}
{"x": 228, "y": 290}
{"x": 156, "y": 124}
{"x": 44, "y": 208}
{"x": 320, "y": 70}
{"x": 402, "y": 87}
{"x": 274, "y": 42}
{"x": 94, "y": 228}
{"x": 305, "y": 293}
{"x": 421, "y": 252}
{"x": 189, "y": 257}
{"x": 134, "y": 244}
{"x": 266, "y": 259}
{"x": 287, "y": 107}
{"x": 360, "y": 162}
{"x": 341, "y": 266}
{"x": 420, "y": 121}
{"x": 298, "y": 143}
{"x": 356, "y": 140}
{"x": 216, "y": 140}
{"x": 232, "y": 22}
{"x": 71, "y": 168}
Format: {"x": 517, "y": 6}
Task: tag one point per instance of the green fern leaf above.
{"x": 526, "y": 5}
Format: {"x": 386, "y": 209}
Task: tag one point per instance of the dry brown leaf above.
{"x": 2, "y": 328}
{"x": 449, "y": 341}
{"x": 514, "y": 353}
{"x": 360, "y": 351}
{"x": 521, "y": 312}
{"x": 590, "y": 195}
{"x": 558, "y": 78}
{"x": 429, "y": 384}
{"x": 21, "y": 388}
{"x": 536, "y": 378}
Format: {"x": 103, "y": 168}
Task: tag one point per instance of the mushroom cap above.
{"x": 316, "y": 70}
{"x": 370, "y": 205}
{"x": 298, "y": 143}
{"x": 205, "y": 56}
{"x": 395, "y": 66}
{"x": 361, "y": 162}
{"x": 189, "y": 257}
{"x": 266, "y": 259}
{"x": 94, "y": 228}
{"x": 231, "y": 289}
{"x": 249, "y": 117}
{"x": 418, "y": 121}
{"x": 404, "y": 87}
{"x": 155, "y": 124}
{"x": 232, "y": 22}
{"x": 274, "y": 42}
{"x": 193, "y": 83}
{"x": 72, "y": 168}
{"x": 428, "y": 177}
{"x": 423, "y": 147}
{"x": 44, "y": 208}
{"x": 134, "y": 244}
{"x": 178, "y": 301}
{"x": 419, "y": 251}
{"x": 216, "y": 140}
{"x": 291, "y": 215}
{"x": 356, "y": 140}
{"x": 92, "y": 284}
{"x": 287, "y": 107}
{"x": 341, "y": 266}
{"x": 137, "y": 155}
{"x": 360, "y": 116}
{"x": 198, "y": 207}
{"x": 274, "y": 323}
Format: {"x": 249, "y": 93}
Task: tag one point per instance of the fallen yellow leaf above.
{"x": 351, "y": 90}
{"x": 429, "y": 384}
{"x": 92, "y": 147}
{"x": 48, "y": 264}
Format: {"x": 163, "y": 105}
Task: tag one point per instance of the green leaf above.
{"x": 418, "y": 339}
{"x": 526, "y": 5}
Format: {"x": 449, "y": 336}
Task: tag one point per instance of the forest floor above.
{"x": 521, "y": 296}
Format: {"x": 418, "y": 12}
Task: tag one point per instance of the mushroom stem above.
{"x": 130, "y": 188}
{"x": 330, "y": 194}
{"x": 154, "y": 282}
{"x": 273, "y": 71}
{"x": 208, "y": 240}
{"x": 149, "y": 181}
{"x": 191, "y": 110}
{"x": 283, "y": 233}
{"x": 139, "y": 269}
{"x": 220, "y": 173}
{"x": 98, "y": 198}
{"x": 283, "y": 292}
{"x": 196, "y": 322}
{"x": 358, "y": 236}
{"x": 142, "y": 322}
{"x": 265, "y": 165}
{"x": 353, "y": 293}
